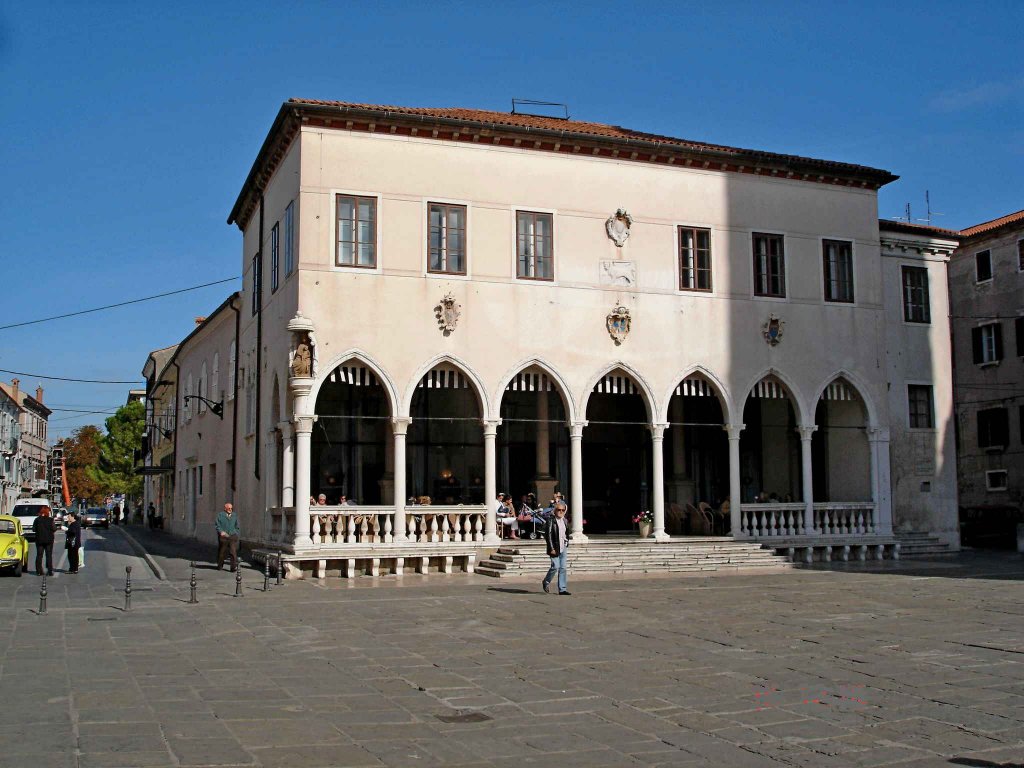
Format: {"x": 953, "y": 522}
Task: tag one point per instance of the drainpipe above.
{"x": 174, "y": 451}
{"x": 259, "y": 341}
{"x": 234, "y": 398}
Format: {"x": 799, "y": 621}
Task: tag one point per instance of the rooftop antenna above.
{"x": 928, "y": 203}
{"x": 531, "y": 102}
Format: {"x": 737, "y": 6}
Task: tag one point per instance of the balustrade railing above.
{"x": 446, "y": 523}
{"x": 764, "y": 521}
{"x": 335, "y": 525}
{"x": 351, "y": 525}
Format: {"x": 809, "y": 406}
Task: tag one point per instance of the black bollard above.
{"x": 128, "y": 588}
{"x": 280, "y": 567}
{"x": 192, "y": 585}
{"x": 266, "y": 572}
{"x": 238, "y": 582}
{"x": 42, "y": 596}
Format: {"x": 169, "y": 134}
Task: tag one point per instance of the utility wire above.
{"x": 64, "y": 378}
{"x": 114, "y": 306}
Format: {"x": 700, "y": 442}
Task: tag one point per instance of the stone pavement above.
{"x": 913, "y": 664}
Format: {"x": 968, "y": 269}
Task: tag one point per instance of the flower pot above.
{"x": 645, "y": 530}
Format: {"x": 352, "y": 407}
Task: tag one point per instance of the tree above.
{"x": 115, "y": 469}
{"x": 81, "y": 455}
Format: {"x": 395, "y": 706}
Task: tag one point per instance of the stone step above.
{"x": 487, "y": 570}
{"x": 653, "y": 564}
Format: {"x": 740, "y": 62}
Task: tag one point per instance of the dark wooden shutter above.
{"x": 976, "y": 345}
{"x": 1020, "y": 334}
{"x": 998, "y": 331}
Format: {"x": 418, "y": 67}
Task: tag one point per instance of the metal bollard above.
{"x": 238, "y": 582}
{"x": 266, "y": 572}
{"x": 192, "y": 585}
{"x": 42, "y": 596}
{"x": 128, "y": 588}
{"x": 280, "y": 559}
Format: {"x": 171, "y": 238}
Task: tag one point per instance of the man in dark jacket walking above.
{"x": 43, "y": 528}
{"x": 73, "y": 542}
{"x": 557, "y": 540}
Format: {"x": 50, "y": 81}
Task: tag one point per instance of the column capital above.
{"x": 490, "y": 427}
{"x": 576, "y": 430}
{"x": 806, "y": 432}
{"x": 400, "y": 425}
{"x": 657, "y": 430}
{"x": 878, "y": 434}
{"x": 304, "y": 424}
{"x": 733, "y": 430}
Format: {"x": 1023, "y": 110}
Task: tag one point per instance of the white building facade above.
{"x": 443, "y": 304}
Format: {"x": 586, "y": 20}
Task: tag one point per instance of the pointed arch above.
{"x": 563, "y": 388}
{"x": 357, "y": 354}
{"x": 803, "y": 418}
{"x": 716, "y": 383}
{"x": 650, "y": 402}
{"x": 472, "y": 375}
{"x": 859, "y": 385}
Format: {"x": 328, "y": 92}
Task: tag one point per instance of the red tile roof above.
{"x": 890, "y": 225}
{"x": 988, "y": 226}
{"x": 576, "y": 128}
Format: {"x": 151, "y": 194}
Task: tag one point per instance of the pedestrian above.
{"x": 43, "y": 528}
{"x": 73, "y": 542}
{"x": 557, "y": 540}
{"x": 227, "y": 537}
{"x": 115, "y": 514}
{"x": 151, "y": 515}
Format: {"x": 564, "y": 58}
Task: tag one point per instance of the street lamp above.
{"x": 217, "y": 408}
{"x": 165, "y": 432}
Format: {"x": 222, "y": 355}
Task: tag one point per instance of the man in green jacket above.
{"x": 227, "y": 537}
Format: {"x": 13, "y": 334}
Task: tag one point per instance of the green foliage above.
{"x": 115, "y": 469}
{"x": 81, "y": 455}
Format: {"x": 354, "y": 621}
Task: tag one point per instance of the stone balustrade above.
{"x": 783, "y": 520}
{"x": 768, "y": 520}
{"x": 436, "y": 524}
{"x": 844, "y": 519}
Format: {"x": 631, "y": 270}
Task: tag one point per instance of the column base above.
{"x": 580, "y": 537}
{"x": 661, "y": 536}
{"x": 493, "y": 539}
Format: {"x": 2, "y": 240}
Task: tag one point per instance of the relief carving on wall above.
{"x": 448, "y": 312}
{"x": 617, "y": 226}
{"x": 621, "y": 274}
{"x": 771, "y": 329}
{"x": 618, "y": 323}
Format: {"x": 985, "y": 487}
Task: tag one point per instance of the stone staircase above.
{"x": 630, "y": 555}
{"x": 921, "y": 544}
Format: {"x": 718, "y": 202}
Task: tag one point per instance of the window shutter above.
{"x": 998, "y": 332}
{"x": 1019, "y": 323}
{"x": 976, "y": 345}
{"x": 1001, "y": 428}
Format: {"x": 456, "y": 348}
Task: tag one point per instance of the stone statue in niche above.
{"x": 302, "y": 357}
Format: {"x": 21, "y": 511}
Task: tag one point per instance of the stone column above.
{"x": 735, "y": 489}
{"x": 271, "y": 482}
{"x": 680, "y": 483}
{"x": 658, "y": 478}
{"x": 287, "y": 464}
{"x": 543, "y": 481}
{"x": 808, "y": 477}
{"x": 400, "y": 427}
{"x": 303, "y": 439}
{"x": 878, "y": 441}
{"x": 576, "y": 483}
{"x": 490, "y": 481}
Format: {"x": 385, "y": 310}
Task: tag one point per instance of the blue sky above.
{"x": 128, "y": 128}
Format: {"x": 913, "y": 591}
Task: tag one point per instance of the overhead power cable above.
{"x": 65, "y": 378}
{"x": 115, "y": 306}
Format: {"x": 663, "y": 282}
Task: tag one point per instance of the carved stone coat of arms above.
{"x": 618, "y": 225}
{"x": 618, "y": 323}
{"x": 771, "y": 329}
{"x": 448, "y": 313}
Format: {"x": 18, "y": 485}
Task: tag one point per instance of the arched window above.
{"x": 201, "y": 391}
{"x": 215, "y": 379}
{"x": 187, "y": 404}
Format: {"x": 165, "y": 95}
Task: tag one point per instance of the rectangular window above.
{"x": 289, "y": 239}
{"x": 987, "y": 343}
{"x": 916, "y": 307}
{"x": 275, "y": 257}
{"x": 921, "y": 412}
{"x": 446, "y": 243}
{"x": 993, "y": 428}
{"x": 200, "y": 485}
{"x": 1020, "y": 255}
{"x": 837, "y": 257}
{"x": 255, "y": 283}
{"x": 983, "y": 266}
{"x": 769, "y": 266}
{"x": 694, "y": 259}
{"x": 535, "y": 246}
{"x": 995, "y": 480}
{"x": 357, "y": 231}
{"x": 1018, "y": 330}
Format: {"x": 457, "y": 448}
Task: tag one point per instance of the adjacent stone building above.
{"x": 10, "y": 451}
{"x": 160, "y": 398}
{"x": 986, "y": 283}
{"x": 33, "y": 450}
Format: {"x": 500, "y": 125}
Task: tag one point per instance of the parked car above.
{"x": 27, "y": 510}
{"x": 95, "y": 516}
{"x": 59, "y": 517}
{"x": 13, "y": 545}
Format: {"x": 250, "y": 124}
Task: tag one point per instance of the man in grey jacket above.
{"x": 227, "y": 537}
{"x": 557, "y": 540}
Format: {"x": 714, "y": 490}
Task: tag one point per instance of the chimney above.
{"x": 39, "y": 393}
{"x": 14, "y": 386}
{"x": 200, "y": 321}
